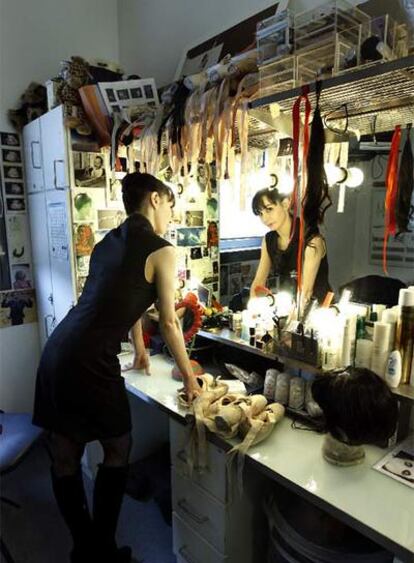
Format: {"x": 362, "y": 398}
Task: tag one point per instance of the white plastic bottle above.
{"x": 394, "y": 369}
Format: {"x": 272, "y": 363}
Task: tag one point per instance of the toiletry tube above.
{"x": 363, "y": 353}
{"x": 380, "y": 348}
{"x": 393, "y": 369}
{"x": 405, "y": 332}
{"x": 390, "y": 316}
{"x": 379, "y": 309}
{"x": 412, "y": 371}
{"x": 348, "y": 344}
{"x": 270, "y": 384}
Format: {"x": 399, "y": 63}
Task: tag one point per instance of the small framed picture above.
{"x": 13, "y": 172}
{"x": 110, "y": 218}
{"x": 111, "y": 95}
{"x": 123, "y": 94}
{"x": 149, "y": 92}
{"x": 11, "y": 155}
{"x": 136, "y": 92}
{"x": 14, "y": 188}
{"x": 10, "y": 139}
{"x": 89, "y": 169}
{"x": 15, "y": 204}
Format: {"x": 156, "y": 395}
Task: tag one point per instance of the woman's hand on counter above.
{"x": 192, "y": 389}
{"x": 141, "y": 361}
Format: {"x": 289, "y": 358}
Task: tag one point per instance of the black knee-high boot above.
{"x": 109, "y": 490}
{"x": 71, "y": 500}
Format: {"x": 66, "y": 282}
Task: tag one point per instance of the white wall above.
{"x": 35, "y": 35}
{"x": 154, "y": 33}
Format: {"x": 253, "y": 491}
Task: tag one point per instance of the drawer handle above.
{"x": 185, "y": 507}
{"x": 183, "y": 551}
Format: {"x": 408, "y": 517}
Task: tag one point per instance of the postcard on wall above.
{"x": 399, "y": 463}
{"x": 9, "y": 139}
{"x": 17, "y": 308}
{"x": 85, "y": 203}
{"x": 89, "y": 169}
{"x": 129, "y": 93}
{"x": 21, "y": 276}
{"x": 58, "y": 235}
{"x": 18, "y": 238}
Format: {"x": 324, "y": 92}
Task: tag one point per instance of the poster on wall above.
{"x": 17, "y": 308}
{"x": 240, "y": 37}
{"x": 18, "y": 238}
{"x": 89, "y": 169}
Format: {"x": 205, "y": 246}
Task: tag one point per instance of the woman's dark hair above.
{"x": 272, "y": 195}
{"x": 317, "y": 199}
{"x": 136, "y": 186}
{"x": 403, "y": 208}
{"x": 358, "y": 406}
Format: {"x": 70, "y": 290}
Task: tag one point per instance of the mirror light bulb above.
{"x": 334, "y": 174}
{"x": 354, "y": 178}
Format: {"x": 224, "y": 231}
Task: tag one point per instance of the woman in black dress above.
{"x": 279, "y": 251}
{"x": 80, "y": 393}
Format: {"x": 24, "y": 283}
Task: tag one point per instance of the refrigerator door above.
{"x": 60, "y": 251}
{"x": 55, "y": 150}
{"x": 41, "y": 264}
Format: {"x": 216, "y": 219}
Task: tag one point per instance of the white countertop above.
{"x": 373, "y": 503}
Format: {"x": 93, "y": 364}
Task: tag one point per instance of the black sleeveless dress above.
{"x": 80, "y": 392}
{"x": 284, "y": 266}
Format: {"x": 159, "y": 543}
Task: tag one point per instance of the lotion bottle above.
{"x": 394, "y": 369}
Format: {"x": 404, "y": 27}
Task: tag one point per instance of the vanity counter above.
{"x": 372, "y": 503}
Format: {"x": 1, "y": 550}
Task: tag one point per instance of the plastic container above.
{"x": 274, "y": 37}
{"x": 378, "y": 40}
{"x": 278, "y": 76}
{"x": 321, "y": 24}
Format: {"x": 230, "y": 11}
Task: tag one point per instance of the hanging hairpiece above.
{"x": 297, "y": 192}
{"x": 404, "y": 209}
{"x": 390, "y": 226}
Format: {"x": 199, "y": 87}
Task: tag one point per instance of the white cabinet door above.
{"x": 33, "y": 157}
{"x": 60, "y": 248}
{"x": 41, "y": 264}
{"x": 55, "y": 152}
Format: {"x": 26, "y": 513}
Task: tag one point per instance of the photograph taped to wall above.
{"x": 9, "y": 139}
{"x": 89, "y": 169}
{"x": 84, "y": 239}
{"x": 82, "y": 265}
{"x": 21, "y": 276}
{"x": 17, "y": 308}
{"x": 86, "y": 201}
{"x": 18, "y": 238}
{"x": 12, "y": 172}
{"x": 191, "y": 236}
{"x": 194, "y": 218}
{"x": 110, "y": 218}
{"x": 14, "y": 188}
{"x": 128, "y": 94}
{"x": 15, "y": 204}
{"x": 114, "y": 195}
{"x": 11, "y": 155}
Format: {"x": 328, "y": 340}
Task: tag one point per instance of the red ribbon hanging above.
{"x": 390, "y": 226}
{"x": 297, "y": 196}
